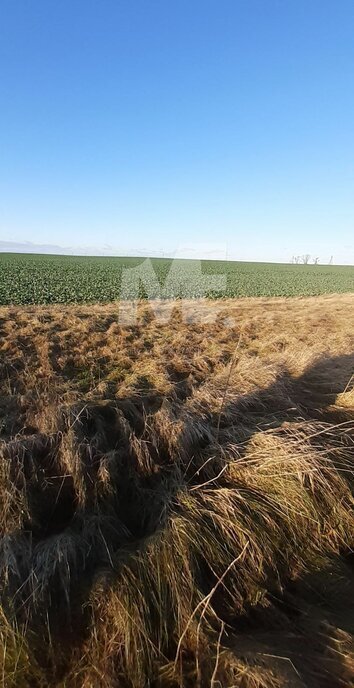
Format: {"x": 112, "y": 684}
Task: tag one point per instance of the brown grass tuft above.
{"x": 177, "y": 497}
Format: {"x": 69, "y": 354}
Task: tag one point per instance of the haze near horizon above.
{"x": 148, "y": 127}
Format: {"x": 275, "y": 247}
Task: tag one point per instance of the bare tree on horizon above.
{"x": 305, "y": 258}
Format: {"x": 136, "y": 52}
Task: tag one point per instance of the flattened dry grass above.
{"x": 177, "y": 497}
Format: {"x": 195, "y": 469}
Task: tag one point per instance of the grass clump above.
{"x": 199, "y": 533}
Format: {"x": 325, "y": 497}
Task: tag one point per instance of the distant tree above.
{"x": 315, "y": 261}
{"x": 296, "y": 260}
{"x": 305, "y": 258}
{"x": 330, "y": 261}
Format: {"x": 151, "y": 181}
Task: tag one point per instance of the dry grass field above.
{"x": 177, "y": 495}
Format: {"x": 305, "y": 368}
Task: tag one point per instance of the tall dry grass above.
{"x": 177, "y": 499}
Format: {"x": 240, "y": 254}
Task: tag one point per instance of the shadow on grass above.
{"x": 108, "y": 479}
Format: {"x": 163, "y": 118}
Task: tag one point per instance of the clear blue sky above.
{"x": 156, "y": 123}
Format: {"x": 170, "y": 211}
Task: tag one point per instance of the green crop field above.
{"x": 43, "y": 279}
